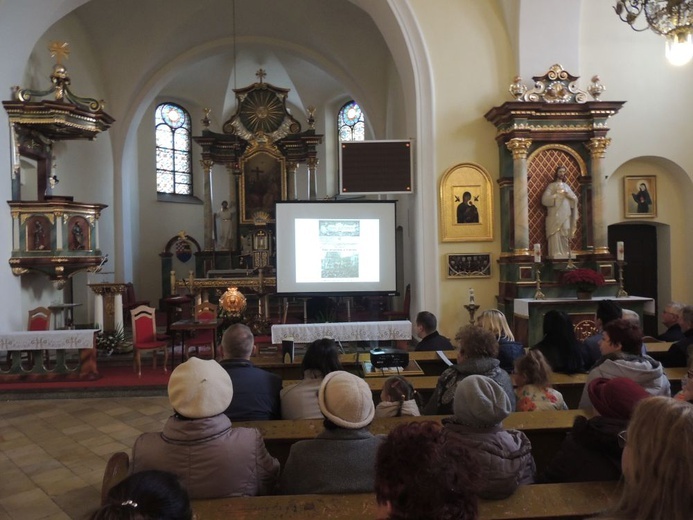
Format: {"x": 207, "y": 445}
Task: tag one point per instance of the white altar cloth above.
{"x": 350, "y": 331}
{"x": 47, "y": 339}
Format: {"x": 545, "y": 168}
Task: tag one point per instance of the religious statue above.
{"x": 39, "y": 235}
{"x": 226, "y": 230}
{"x": 561, "y": 215}
{"x": 77, "y": 236}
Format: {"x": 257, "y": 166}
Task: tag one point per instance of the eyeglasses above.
{"x": 622, "y": 439}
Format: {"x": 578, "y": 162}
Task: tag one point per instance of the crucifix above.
{"x": 257, "y": 171}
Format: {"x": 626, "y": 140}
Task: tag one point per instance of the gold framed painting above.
{"x": 640, "y": 196}
{"x": 472, "y": 265}
{"x": 466, "y": 205}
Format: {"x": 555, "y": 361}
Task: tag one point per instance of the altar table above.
{"x": 350, "y": 331}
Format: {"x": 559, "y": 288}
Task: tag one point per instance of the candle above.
{"x": 471, "y": 296}
{"x": 537, "y": 253}
{"x": 620, "y": 251}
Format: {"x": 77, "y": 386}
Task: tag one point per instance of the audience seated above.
{"x": 341, "y": 458}
{"x": 621, "y": 357}
{"x": 398, "y": 398}
{"x": 670, "y": 319}
{"x": 680, "y": 352}
{"x": 607, "y": 310}
{"x": 300, "y": 401}
{"x": 686, "y": 393}
{"x": 146, "y": 495}
{"x": 431, "y": 340}
{"x": 505, "y": 456}
{"x": 591, "y": 451}
{"x": 533, "y": 380}
{"x": 559, "y": 345}
{"x": 657, "y": 462}
{"x": 634, "y": 318}
{"x": 414, "y": 479}
{"x": 508, "y": 349}
{"x": 477, "y": 355}
{"x": 256, "y": 391}
{"x": 198, "y": 443}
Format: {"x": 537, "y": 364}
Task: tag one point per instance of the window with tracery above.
{"x": 173, "y": 150}
{"x": 350, "y": 123}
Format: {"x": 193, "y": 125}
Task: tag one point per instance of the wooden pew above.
{"x": 540, "y": 501}
{"x": 545, "y": 431}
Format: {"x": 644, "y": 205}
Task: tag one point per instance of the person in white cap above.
{"x": 341, "y": 459}
{"x": 505, "y": 456}
{"x": 198, "y": 443}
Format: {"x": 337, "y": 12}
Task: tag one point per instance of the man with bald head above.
{"x": 255, "y": 391}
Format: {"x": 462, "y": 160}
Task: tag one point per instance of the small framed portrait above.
{"x": 472, "y": 265}
{"x": 640, "y": 197}
{"x": 466, "y": 206}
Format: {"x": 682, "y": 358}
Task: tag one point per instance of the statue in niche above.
{"x": 561, "y": 214}
{"x": 226, "y": 228}
{"x": 39, "y": 235}
{"x": 77, "y": 236}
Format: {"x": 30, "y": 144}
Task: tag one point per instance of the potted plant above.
{"x": 585, "y": 281}
{"x": 112, "y": 341}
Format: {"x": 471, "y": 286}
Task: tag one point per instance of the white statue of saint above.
{"x": 226, "y": 230}
{"x": 561, "y": 215}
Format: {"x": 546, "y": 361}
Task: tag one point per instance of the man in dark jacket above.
{"x": 679, "y": 354}
{"x": 670, "y": 319}
{"x": 426, "y": 325}
{"x": 256, "y": 391}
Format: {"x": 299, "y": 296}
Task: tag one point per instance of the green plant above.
{"x": 110, "y": 340}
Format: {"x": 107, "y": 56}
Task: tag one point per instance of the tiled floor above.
{"x": 53, "y": 452}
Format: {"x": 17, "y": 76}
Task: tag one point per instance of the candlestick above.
{"x": 621, "y": 292}
{"x": 471, "y": 308}
{"x": 620, "y": 251}
{"x": 537, "y": 253}
{"x": 538, "y": 295}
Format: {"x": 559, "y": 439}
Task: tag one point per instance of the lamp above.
{"x": 672, "y": 19}
{"x": 233, "y": 301}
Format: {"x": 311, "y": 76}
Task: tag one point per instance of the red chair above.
{"x": 39, "y": 319}
{"x": 144, "y": 336}
{"x": 205, "y": 337}
{"x": 404, "y": 313}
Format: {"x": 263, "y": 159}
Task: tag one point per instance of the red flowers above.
{"x": 583, "y": 279}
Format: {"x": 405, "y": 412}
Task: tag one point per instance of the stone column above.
{"x": 16, "y": 233}
{"x": 597, "y": 147}
{"x": 58, "y": 231}
{"x": 292, "y": 193}
{"x": 312, "y": 177}
{"x": 207, "y": 165}
{"x": 118, "y": 322}
{"x": 98, "y": 310}
{"x": 519, "y": 147}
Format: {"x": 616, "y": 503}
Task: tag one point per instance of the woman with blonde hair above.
{"x": 508, "y": 349}
{"x": 657, "y": 462}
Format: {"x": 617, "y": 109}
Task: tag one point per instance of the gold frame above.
{"x": 273, "y": 173}
{"x": 452, "y": 272}
{"x": 630, "y": 188}
{"x": 462, "y": 178}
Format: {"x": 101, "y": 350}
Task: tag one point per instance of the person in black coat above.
{"x": 426, "y": 325}
{"x": 670, "y": 319}
{"x": 560, "y": 346}
{"x": 678, "y": 356}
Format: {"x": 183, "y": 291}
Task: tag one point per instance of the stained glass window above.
{"x": 350, "y": 123}
{"x": 173, "y": 161}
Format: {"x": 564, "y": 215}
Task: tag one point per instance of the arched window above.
{"x": 350, "y": 123}
{"x": 173, "y": 161}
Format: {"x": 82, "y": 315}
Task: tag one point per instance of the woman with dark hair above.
{"x": 477, "y": 355}
{"x": 621, "y": 348}
{"x": 147, "y": 495}
{"x": 300, "y": 401}
{"x": 559, "y": 345}
{"x": 414, "y": 479}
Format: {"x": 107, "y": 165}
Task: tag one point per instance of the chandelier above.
{"x": 672, "y": 19}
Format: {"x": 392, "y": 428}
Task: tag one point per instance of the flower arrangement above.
{"x": 110, "y": 341}
{"x": 583, "y": 279}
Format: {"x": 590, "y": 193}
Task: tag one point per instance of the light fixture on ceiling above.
{"x": 673, "y": 19}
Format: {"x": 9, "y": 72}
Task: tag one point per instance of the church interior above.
{"x": 491, "y": 98}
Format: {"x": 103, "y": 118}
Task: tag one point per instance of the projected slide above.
{"x": 336, "y": 248}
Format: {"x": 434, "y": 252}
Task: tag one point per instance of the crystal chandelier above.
{"x": 672, "y": 19}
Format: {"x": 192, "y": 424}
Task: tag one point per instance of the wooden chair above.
{"x": 404, "y": 313}
{"x": 117, "y": 469}
{"x": 204, "y": 337}
{"x": 144, "y": 336}
{"x": 129, "y": 300}
{"x": 39, "y": 319}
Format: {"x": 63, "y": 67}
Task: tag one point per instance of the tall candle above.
{"x": 471, "y": 296}
{"x": 537, "y": 253}
{"x": 620, "y": 251}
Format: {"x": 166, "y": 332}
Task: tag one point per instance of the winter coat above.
{"x": 255, "y": 392}
{"x": 644, "y": 370}
{"x": 508, "y": 352}
{"x": 391, "y": 409}
{"x": 441, "y": 400}
{"x": 505, "y": 457}
{"x": 300, "y": 401}
{"x": 212, "y": 458}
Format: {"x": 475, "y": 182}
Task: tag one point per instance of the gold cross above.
{"x": 261, "y": 74}
{"x": 59, "y": 51}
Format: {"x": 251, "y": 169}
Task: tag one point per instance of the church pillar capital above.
{"x": 519, "y": 146}
{"x": 597, "y": 146}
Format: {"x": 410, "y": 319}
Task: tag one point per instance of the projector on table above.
{"x": 389, "y": 358}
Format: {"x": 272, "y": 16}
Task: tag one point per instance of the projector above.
{"x": 389, "y": 358}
